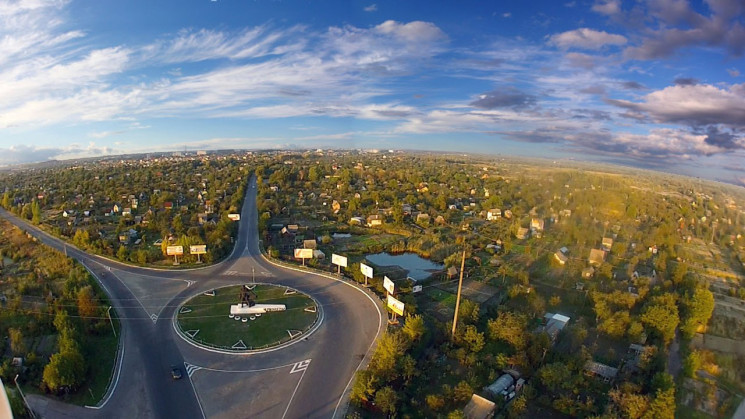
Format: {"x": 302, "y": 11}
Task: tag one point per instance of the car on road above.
{"x": 175, "y": 372}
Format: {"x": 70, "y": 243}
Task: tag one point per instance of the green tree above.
{"x": 662, "y": 405}
{"x": 65, "y": 369}
{"x": 17, "y": 342}
{"x": 386, "y": 400}
{"x": 472, "y": 339}
{"x": 81, "y": 239}
{"x": 365, "y": 385}
{"x": 509, "y": 327}
{"x": 6, "y": 200}
{"x": 414, "y": 327}
{"x": 36, "y": 212}
{"x": 86, "y": 302}
{"x": 462, "y": 392}
{"x": 697, "y": 311}
{"x": 661, "y": 315}
{"x": 122, "y": 254}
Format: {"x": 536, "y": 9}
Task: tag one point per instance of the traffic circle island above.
{"x": 247, "y": 317}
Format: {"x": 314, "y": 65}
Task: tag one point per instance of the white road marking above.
{"x": 189, "y": 283}
{"x": 199, "y": 402}
{"x": 154, "y": 317}
{"x": 239, "y": 345}
{"x": 231, "y": 273}
{"x": 192, "y": 333}
{"x": 307, "y": 361}
{"x": 191, "y": 369}
{"x": 300, "y": 366}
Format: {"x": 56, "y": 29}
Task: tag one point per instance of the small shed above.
{"x": 479, "y": 408}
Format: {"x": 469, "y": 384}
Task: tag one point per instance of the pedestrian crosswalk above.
{"x": 231, "y": 273}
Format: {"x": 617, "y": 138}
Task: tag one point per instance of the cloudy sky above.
{"x": 652, "y": 83}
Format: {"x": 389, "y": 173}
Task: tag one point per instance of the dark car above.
{"x": 176, "y": 372}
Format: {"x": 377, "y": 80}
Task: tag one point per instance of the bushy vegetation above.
{"x": 54, "y": 315}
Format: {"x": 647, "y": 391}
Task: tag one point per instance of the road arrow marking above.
{"x": 189, "y": 283}
{"x": 154, "y": 317}
{"x": 294, "y": 333}
{"x": 191, "y": 369}
{"x": 300, "y": 366}
{"x": 185, "y": 310}
{"x": 239, "y": 345}
{"x": 192, "y": 333}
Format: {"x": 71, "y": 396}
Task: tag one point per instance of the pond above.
{"x": 418, "y": 267}
{"x": 341, "y": 235}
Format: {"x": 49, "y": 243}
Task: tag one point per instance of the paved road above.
{"x": 308, "y": 379}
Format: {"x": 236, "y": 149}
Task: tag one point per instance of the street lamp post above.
{"x": 15, "y": 380}
{"x": 108, "y": 313}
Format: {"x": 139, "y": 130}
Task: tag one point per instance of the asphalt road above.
{"x": 309, "y": 378}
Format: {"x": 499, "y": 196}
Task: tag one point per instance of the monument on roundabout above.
{"x": 248, "y": 304}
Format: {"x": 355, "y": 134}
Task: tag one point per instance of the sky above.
{"x": 656, "y": 84}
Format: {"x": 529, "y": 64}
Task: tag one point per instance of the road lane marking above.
{"x": 231, "y": 273}
{"x": 196, "y": 395}
{"x": 305, "y": 368}
{"x": 191, "y": 369}
{"x": 300, "y": 366}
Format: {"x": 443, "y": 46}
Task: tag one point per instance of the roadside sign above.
{"x": 417, "y": 288}
{"x": 366, "y": 270}
{"x": 339, "y": 260}
{"x": 395, "y": 306}
{"x": 303, "y": 253}
{"x": 199, "y": 249}
{"x": 175, "y": 250}
{"x": 388, "y": 285}
{"x": 234, "y": 217}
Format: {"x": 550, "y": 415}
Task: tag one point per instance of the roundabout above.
{"x": 223, "y": 320}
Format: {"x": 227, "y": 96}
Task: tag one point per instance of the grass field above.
{"x": 209, "y": 315}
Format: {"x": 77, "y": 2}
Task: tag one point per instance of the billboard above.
{"x": 199, "y": 249}
{"x": 396, "y": 306}
{"x": 339, "y": 260}
{"x": 175, "y": 250}
{"x": 366, "y": 270}
{"x": 234, "y": 217}
{"x": 303, "y": 253}
{"x": 388, "y": 285}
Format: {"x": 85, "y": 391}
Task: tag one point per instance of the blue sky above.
{"x": 651, "y": 83}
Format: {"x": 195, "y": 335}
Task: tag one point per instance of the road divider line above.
{"x": 296, "y": 387}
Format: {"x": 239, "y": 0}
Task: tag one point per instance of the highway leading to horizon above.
{"x": 309, "y": 378}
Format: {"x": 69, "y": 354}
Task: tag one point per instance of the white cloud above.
{"x": 607, "y": 7}
{"x": 586, "y": 38}
{"x": 412, "y": 32}
{"x": 698, "y": 104}
{"x": 371, "y": 8}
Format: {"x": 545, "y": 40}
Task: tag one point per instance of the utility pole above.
{"x": 15, "y": 380}
{"x": 460, "y": 286}
{"x": 108, "y": 313}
